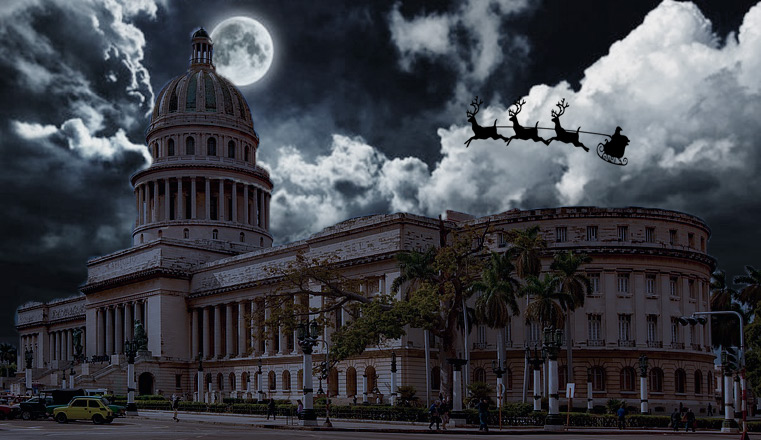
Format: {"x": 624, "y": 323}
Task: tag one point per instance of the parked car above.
{"x": 119, "y": 411}
{"x": 8, "y": 412}
{"x": 84, "y": 408}
{"x": 35, "y": 407}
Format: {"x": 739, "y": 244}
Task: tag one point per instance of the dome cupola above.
{"x": 203, "y": 184}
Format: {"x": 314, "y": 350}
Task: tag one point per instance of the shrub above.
{"x": 407, "y": 396}
{"x": 614, "y": 404}
{"x": 517, "y": 409}
{"x": 150, "y": 397}
{"x": 478, "y": 391}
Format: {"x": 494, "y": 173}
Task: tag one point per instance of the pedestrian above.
{"x": 444, "y": 409}
{"x": 175, "y": 406}
{"x": 690, "y": 416}
{"x": 483, "y": 415}
{"x": 434, "y": 412}
{"x": 675, "y": 418}
{"x": 271, "y": 409}
{"x": 709, "y": 411}
{"x": 354, "y": 400}
{"x": 621, "y": 417}
{"x": 299, "y": 409}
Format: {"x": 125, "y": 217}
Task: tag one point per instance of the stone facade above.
{"x": 196, "y": 277}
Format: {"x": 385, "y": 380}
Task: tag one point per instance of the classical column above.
{"x": 119, "y": 327}
{"x": 235, "y": 202}
{"x": 738, "y": 397}
{"x": 155, "y": 200}
{"x": 137, "y": 206}
{"x": 456, "y": 387}
{"x": 101, "y": 331}
{"x": 537, "y": 386}
{"x": 206, "y": 333}
{"x": 180, "y": 201}
{"x": 241, "y": 328}
{"x": 51, "y": 345}
{"x": 221, "y": 197}
{"x": 167, "y": 199}
{"x": 58, "y": 345}
{"x": 109, "y": 331}
{"x": 229, "y": 336}
{"x": 364, "y": 388}
{"x": 194, "y": 333}
{"x": 245, "y": 204}
{"x": 193, "y": 197}
{"x": 729, "y": 424}
{"x": 69, "y": 353}
{"x": 261, "y": 208}
{"x": 207, "y": 197}
{"x": 267, "y": 198}
{"x": 218, "y": 331}
{"x": 129, "y": 324}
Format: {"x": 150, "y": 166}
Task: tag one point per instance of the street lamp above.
{"x": 536, "y": 362}
{"x": 643, "y": 364}
{"x": 28, "y": 358}
{"x": 307, "y": 335}
{"x": 499, "y": 370}
{"x": 130, "y": 348}
{"x": 393, "y": 378}
{"x": 552, "y": 343}
{"x": 259, "y": 385}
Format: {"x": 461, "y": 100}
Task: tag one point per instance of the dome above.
{"x": 201, "y": 33}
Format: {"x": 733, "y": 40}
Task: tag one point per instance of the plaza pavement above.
{"x": 346, "y": 425}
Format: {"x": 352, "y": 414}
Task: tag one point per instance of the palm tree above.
{"x": 576, "y": 284}
{"x": 7, "y": 355}
{"x": 415, "y": 267}
{"x": 750, "y": 295}
{"x": 549, "y": 302}
{"x": 721, "y": 294}
{"x": 527, "y": 246}
{"x": 722, "y": 298}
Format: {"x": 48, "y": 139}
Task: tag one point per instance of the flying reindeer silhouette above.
{"x": 481, "y": 132}
{"x": 521, "y": 132}
{"x": 567, "y": 137}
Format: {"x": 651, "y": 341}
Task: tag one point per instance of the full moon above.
{"x": 243, "y": 50}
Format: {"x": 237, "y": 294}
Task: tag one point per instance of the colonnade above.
{"x": 62, "y": 344}
{"x": 202, "y": 198}
{"x": 236, "y": 329}
{"x": 115, "y": 324}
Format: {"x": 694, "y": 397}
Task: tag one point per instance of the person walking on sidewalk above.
{"x": 675, "y": 418}
{"x": 271, "y": 409}
{"x": 444, "y": 412}
{"x": 690, "y": 416}
{"x": 483, "y": 415}
{"x": 621, "y": 417}
{"x": 434, "y": 411}
{"x": 175, "y": 406}
{"x": 299, "y": 409}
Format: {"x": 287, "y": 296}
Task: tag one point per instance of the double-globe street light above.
{"x": 308, "y": 335}
{"x": 130, "y": 348}
{"x": 552, "y": 343}
{"x": 499, "y": 371}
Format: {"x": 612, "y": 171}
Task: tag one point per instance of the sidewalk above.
{"x": 378, "y": 426}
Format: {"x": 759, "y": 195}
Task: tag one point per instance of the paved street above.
{"x": 158, "y": 425}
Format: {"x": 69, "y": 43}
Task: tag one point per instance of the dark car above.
{"x": 34, "y": 407}
{"x": 8, "y": 412}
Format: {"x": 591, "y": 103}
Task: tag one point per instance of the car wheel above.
{"x": 98, "y": 419}
{"x": 26, "y": 415}
{"x": 61, "y": 418}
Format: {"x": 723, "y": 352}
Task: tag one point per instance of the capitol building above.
{"x": 197, "y": 274}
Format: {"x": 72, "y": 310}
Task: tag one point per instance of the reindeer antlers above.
{"x": 476, "y": 104}
{"x": 519, "y": 105}
{"x": 562, "y": 105}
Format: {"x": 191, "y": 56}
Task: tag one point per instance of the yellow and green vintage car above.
{"x": 84, "y": 408}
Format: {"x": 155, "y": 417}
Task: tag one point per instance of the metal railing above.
{"x": 678, "y": 345}
{"x": 626, "y": 343}
{"x": 655, "y": 344}
{"x": 595, "y": 342}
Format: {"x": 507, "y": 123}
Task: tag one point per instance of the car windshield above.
{"x": 105, "y": 401}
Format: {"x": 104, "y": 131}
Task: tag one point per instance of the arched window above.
{"x": 272, "y": 381}
{"x": 208, "y": 379}
{"x": 598, "y": 379}
{"x": 562, "y": 377}
{"x": 333, "y": 382}
{"x": 244, "y": 381}
{"x": 220, "y": 382}
{"x": 679, "y": 380}
{"x": 231, "y": 150}
{"x": 211, "y": 147}
{"x": 286, "y": 380}
{"x": 300, "y": 380}
{"x": 698, "y": 382}
{"x": 186, "y": 233}
{"x": 190, "y": 145}
{"x": 656, "y": 380}
{"x": 215, "y": 234}
{"x": 479, "y": 375}
{"x": 372, "y": 379}
{"x": 170, "y": 147}
{"x": 242, "y": 237}
{"x": 232, "y": 381}
{"x": 351, "y": 382}
{"x": 436, "y": 378}
{"x": 245, "y": 154}
{"x": 709, "y": 383}
{"x": 628, "y": 376}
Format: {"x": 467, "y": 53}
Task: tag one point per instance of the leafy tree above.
{"x": 7, "y": 355}
{"x": 750, "y": 295}
{"x": 407, "y": 396}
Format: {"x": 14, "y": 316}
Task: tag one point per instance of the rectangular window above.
{"x": 650, "y": 235}
{"x": 623, "y": 233}
{"x": 502, "y": 239}
{"x": 691, "y": 240}
{"x": 482, "y": 334}
{"x": 560, "y": 234}
{"x": 623, "y": 283}
{"x": 534, "y": 333}
{"x": 650, "y": 285}
{"x": 591, "y": 233}
{"x": 672, "y": 236}
{"x": 624, "y": 327}
{"x": 674, "y": 287}
{"x": 675, "y": 331}
{"x": 594, "y": 281}
{"x": 702, "y": 244}
{"x": 691, "y": 286}
{"x": 652, "y": 328}
{"x": 594, "y": 326}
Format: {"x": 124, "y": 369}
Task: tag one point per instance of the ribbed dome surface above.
{"x": 202, "y": 90}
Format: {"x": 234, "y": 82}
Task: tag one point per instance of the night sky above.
{"x": 363, "y": 111}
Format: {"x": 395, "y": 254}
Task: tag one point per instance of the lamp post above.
{"x": 259, "y": 391}
{"x": 28, "y": 358}
{"x": 536, "y": 362}
{"x": 199, "y": 378}
{"x": 307, "y": 336}
{"x": 643, "y": 384}
{"x": 499, "y": 370}
{"x": 71, "y": 375}
{"x": 590, "y": 399}
{"x": 393, "y": 378}
{"x": 552, "y": 343}
{"x": 698, "y": 318}
{"x": 130, "y": 348}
